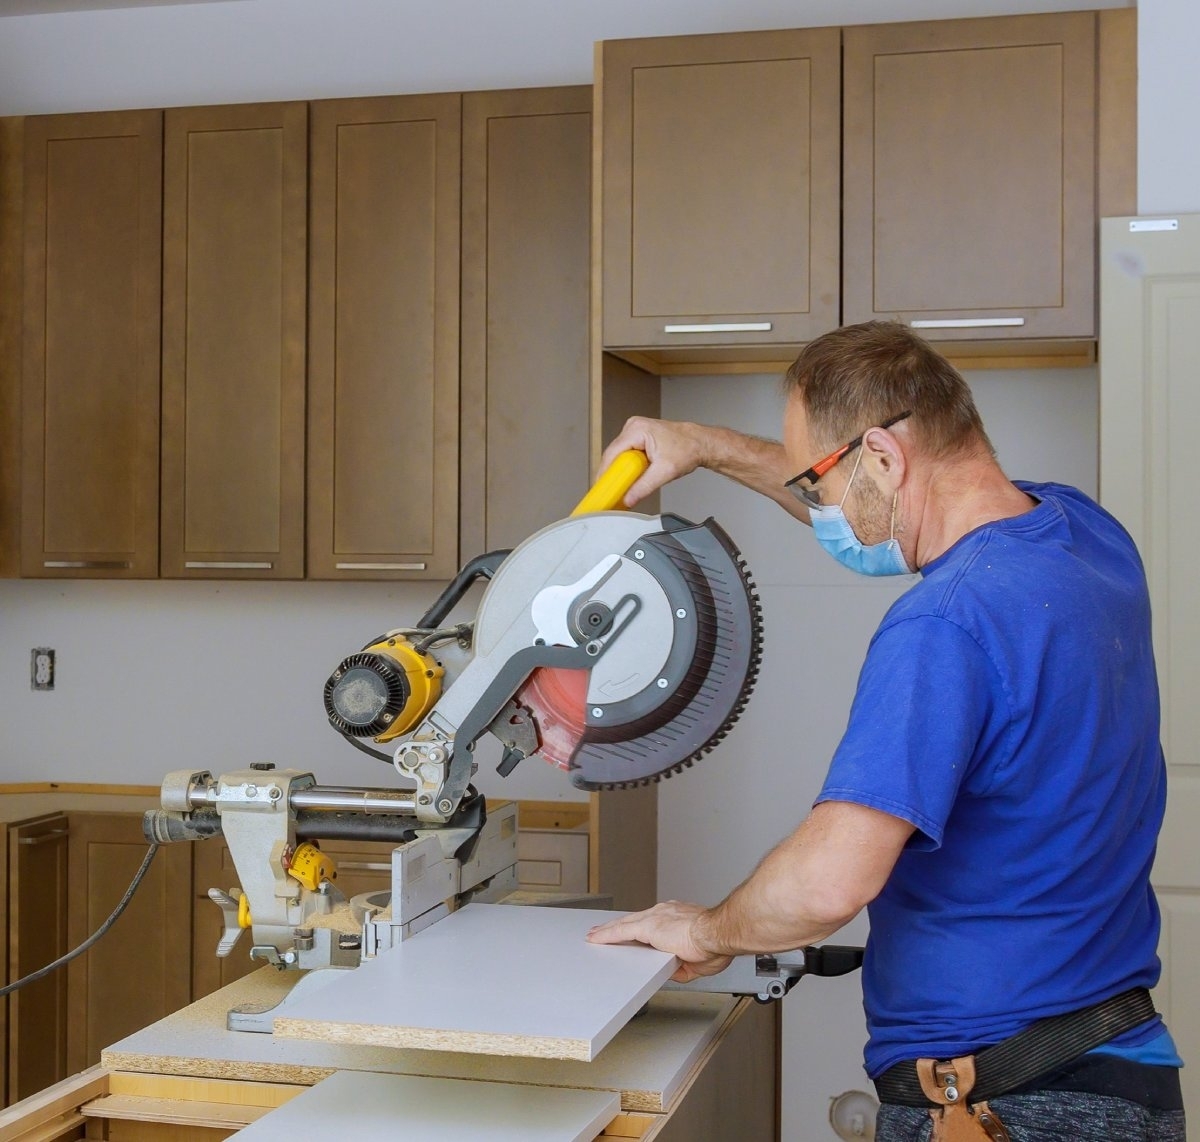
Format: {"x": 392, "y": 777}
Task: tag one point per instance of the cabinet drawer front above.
{"x": 969, "y": 176}
{"x": 90, "y": 373}
{"x": 720, "y": 188}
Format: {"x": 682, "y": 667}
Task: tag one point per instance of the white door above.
{"x": 1149, "y": 417}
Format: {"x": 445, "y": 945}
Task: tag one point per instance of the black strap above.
{"x": 1041, "y": 1047}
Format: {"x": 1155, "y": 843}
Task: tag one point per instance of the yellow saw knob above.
{"x": 608, "y": 492}
{"x": 310, "y": 866}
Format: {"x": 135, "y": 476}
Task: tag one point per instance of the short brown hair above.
{"x": 853, "y": 378}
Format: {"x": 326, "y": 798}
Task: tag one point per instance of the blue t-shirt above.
{"x": 1008, "y": 708}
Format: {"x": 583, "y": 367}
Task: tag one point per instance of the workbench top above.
{"x": 647, "y": 1062}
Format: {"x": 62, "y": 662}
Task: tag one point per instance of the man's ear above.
{"x": 884, "y": 458}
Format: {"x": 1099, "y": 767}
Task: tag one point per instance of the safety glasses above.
{"x": 804, "y": 488}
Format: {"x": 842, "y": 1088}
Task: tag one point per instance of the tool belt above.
{"x": 956, "y": 1091}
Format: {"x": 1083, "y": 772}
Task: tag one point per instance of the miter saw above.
{"x": 617, "y": 646}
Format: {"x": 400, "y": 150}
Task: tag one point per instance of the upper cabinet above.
{"x": 383, "y": 338}
{"x": 233, "y": 380}
{"x": 969, "y": 194}
{"x": 968, "y": 154}
{"x": 720, "y": 188}
{"x": 90, "y": 368}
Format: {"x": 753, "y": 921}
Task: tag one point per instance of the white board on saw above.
{"x": 489, "y": 979}
{"x": 354, "y": 1104}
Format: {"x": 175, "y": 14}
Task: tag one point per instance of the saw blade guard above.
{"x": 706, "y": 677}
{"x": 681, "y": 628}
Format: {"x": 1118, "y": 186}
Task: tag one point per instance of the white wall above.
{"x": 1168, "y": 96}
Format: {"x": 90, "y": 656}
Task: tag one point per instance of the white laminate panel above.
{"x": 356, "y": 1104}
{"x": 491, "y": 980}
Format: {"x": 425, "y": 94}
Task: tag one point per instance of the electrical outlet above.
{"x": 41, "y": 669}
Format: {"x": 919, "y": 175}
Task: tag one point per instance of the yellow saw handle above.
{"x": 608, "y": 492}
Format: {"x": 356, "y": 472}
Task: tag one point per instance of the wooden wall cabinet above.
{"x": 309, "y": 302}
{"x": 383, "y": 338}
{"x": 525, "y": 298}
{"x": 90, "y": 373}
{"x": 233, "y": 381}
{"x": 972, "y": 153}
{"x": 969, "y": 176}
{"x": 720, "y": 188}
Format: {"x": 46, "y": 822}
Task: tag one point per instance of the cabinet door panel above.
{"x": 969, "y": 176}
{"x": 140, "y": 971}
{"x": 37, "y": 895}
{"x": 234, "y": 299}
{"x": 90, "y": 399}
{"x": 383, "y": 328}
{"x": 526, "y": 279}
{"x": 720, "y": 187}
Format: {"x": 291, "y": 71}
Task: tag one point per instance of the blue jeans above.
{"x": 1050, "y": 1116}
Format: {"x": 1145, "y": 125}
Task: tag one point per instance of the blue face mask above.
{"x": 835, "y": 535}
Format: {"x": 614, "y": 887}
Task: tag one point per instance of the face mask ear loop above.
{"x": 857, "y": 461}
{"x": 895, "y": 496}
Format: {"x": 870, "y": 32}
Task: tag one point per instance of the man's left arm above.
{"x": 805, "y": 889}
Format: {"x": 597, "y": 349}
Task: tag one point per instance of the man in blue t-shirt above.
{"x": 997, "y": 795}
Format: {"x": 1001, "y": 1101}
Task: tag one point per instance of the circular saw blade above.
{"x": 701, "y": 693}
{"x": 557, "y": 700}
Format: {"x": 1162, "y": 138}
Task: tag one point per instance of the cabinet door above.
{"x": 37, "y": 901}
{"x": 970, "y": 176}
{"x": 720, "y": 188}
{"x": 11, "y": 168}
{"x": 140, "y": 970}
{"x": 90, "y": 388}
{"x": 525, "y": 290}
{"x": 383, "y": 338}
{"x": 233, "y": 379}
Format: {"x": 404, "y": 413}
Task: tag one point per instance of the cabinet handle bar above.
{"x": 226, "y": 565}
{"x": 380, "y": 566}
{"x": 42, "y": 838}
{"x": 968, "y": 323}
{"x": 91, "y": 564}
{"x": 721, "y": 327}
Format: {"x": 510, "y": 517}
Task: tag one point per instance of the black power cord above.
{"x": 62, "y": 961}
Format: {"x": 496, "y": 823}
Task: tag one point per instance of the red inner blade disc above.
{"x": 557, "y": 699}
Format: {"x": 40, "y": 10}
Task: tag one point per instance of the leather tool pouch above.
{"x": 955, "y": 1118}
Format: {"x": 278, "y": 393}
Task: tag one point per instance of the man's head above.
{"x": 892, "y": 448}
{"x": 859, "y": 376}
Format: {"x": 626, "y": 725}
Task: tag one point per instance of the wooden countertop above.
{"x": 24, "y": 802}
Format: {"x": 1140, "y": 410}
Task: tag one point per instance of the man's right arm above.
{"x": 676, "y": 448}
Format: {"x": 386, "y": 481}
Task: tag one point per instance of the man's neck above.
{"x": 959, "y": 497}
